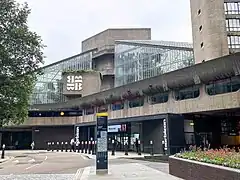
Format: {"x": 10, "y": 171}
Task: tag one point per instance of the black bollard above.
{"x": 52, "y": 146}
{"x": 82, "y": 147}
{"x": 48, "y": 146}
{"x": 89, "y": 147}
{"x": 93, "y": 148}
{"x": 78, "y": 146}
{"x": 163, "y": 147}
{"x": 66, "y": 146}
{"x": 126, "y": 148}
{"x": 151, "y": 146}
{"x": 113, "y": 147}
{"x": 86, "y": 146}
{"x": 139, "y": 148}
{"x": 62, "y": 146}
{"x": 57, "y": 146}
{"x": 3, "y": 151}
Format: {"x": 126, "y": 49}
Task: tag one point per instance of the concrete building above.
{"x": 159, "y": 95}
{"x": 215, "y": 28}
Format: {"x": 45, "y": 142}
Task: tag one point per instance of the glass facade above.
{"x": 49, "y": 87}
{"x": 232, "y": 9}
{"x": 138, "y": 60}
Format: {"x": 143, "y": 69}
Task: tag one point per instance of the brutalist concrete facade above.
{"x": 208, "y": 29}
{"x": 103, "y": 54}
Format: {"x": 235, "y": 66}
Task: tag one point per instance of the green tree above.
{"x": 21, "y": 54}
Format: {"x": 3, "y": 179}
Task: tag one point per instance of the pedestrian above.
{"x": 33, "y": 145}
{"x": 72, "y": 143}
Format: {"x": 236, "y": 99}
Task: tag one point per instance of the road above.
{"x": 24, "y": 165}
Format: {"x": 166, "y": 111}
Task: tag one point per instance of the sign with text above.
{"x": 165, "y": 138}
{"x": 79, "y": 84}
{"x": 74, "y": 83}
{"x": 102, "y": 153}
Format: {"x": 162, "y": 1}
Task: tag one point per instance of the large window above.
{"x": 137, "y": 61}
{"x": 136, "y": 102}
{"x": 233, "y": 24}
{"x": 232, "y": 8}
{"x": 159, "y": 98}
{"x": 117, "y": 106}
{"x": 187, "y": 93}
{"x": 223, "y": 86}
{"x": 234, "y": 42}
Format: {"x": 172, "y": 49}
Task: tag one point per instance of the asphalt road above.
{"x": 27, "y": 165}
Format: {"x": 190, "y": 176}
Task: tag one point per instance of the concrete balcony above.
{"x": 201, "y": 104}
{"x": 108, "y": 49}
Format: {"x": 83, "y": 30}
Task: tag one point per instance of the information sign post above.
{"x": 102, "y": 152}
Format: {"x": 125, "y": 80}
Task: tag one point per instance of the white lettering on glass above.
{"x": 74, "y": 83}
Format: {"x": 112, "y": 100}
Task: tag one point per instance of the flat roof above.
{"x": 112, "y": 29}
{"x": 216, "y": 69}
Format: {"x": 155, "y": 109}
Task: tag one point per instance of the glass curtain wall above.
{"x": 49, "y": 87}
{"x": 137, "y": 61}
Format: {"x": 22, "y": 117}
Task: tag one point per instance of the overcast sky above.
{"x": 64, "y": 24}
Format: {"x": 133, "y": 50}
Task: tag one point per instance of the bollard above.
{"x": 66, "y": 146}
{"x": 113, "y": 148}
{"x": 57, "y": 146}
{"x": 93, "y": 148}
{"x": 82, "y": 147}
{"x": 48, "y": 147}
{"x": 89, "y": 147}
{"x": 3, "y": 151}
{"x": 151, "y": 146}
{"x": 52, "y": 146}
{"x": 78, "y": 146}
{"x": 126, "y": 148}
{"x": 163, "y": 147}
{"x": 139, "y": 148}
{"x": 62, "y": 146}
{"x": 86, "y": 146}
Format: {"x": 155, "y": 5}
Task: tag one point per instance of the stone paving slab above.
{"x": 38, "y": 177}
{"x": 132, "y": 171}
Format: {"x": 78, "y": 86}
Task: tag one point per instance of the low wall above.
{"x": 193, "y": 170}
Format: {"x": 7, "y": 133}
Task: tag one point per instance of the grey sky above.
{"x": 64, "y": 24}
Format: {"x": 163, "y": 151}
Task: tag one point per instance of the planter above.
{"x": 194, "y": 170}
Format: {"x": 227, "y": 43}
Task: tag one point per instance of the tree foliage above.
{"x": 20, "y": 57}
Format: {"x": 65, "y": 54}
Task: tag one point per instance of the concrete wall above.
{"x": 108, "y": 37}
{"x": 200, "y": 104}
{"x": 107, "y": 83}
{"x": 210, "y": 15}
{"x": 104, "y": 64}
{"x": 91, "y": 83}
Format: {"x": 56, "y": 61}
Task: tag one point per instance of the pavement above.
{"x": 6, "y": 158}
{"x": 44, "y": 165}
{"x": 118, "y": 155}
{"x": 132, "y": 171}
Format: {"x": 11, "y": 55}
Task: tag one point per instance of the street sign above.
{"x": 102, "y": 153}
